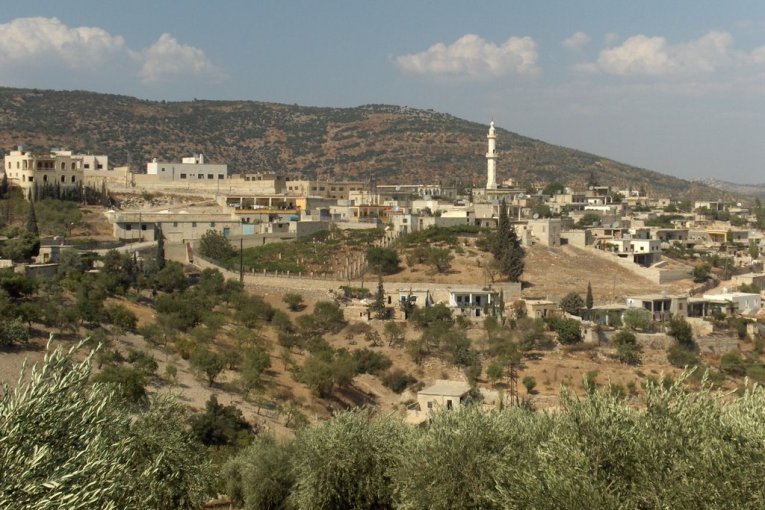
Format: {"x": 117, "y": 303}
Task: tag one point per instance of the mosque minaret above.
{"x": 491, "y": 158}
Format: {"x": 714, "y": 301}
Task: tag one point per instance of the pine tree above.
{"x": 32, "y": 220}
{"x": 588, "y": 299}
{"x": 4, "y": 185}
{"x": 160, "y": 248}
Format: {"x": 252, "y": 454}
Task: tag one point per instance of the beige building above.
{"x": 546, "y": 231}
{"x": 58, "y": 168}
{"x": 443, "y": 394}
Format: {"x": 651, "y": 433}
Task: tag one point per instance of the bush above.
{"x": 681, "y": 357}
{"x": 637, "y": 319}
{"x": 216, "y": 246}
{"x": 572, "y": 303}
{"x": 121, "y": 317}
{"x": 383, "y": 260}
{"x": 370, "y": 362}
{"x": 130, "y": 381}
{"x": 293, "y": 301}
{"x": 398, "y": 380}
{"x": 732, "y": 364}
{"x": 569, "y": 331}
{"x": 682, "y": 331}
{"x": 627, "y": 349}
{"x": 12, "y": 332}
{"x": 220, "y": 425}
{"x": 529, "y": 383}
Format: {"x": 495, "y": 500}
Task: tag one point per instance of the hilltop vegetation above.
{"x": 390, "y": 143}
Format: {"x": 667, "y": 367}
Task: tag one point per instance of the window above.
{"x": 175, "y": 224}
{"x": 31, "y": 178}
{"x": 63, "y": 166}
{"x": 430, "y": 404}
{"x": 74, "y": 165}
{"x": 209, "y": 176}
{"x": 86, "y": 166}
{"x": 449, "y": 404}
{"x": 99, "y": 166}
{"x": 220, "y": 176}
{"x": 73, "y": 178}
{"x": 193, "y": 224}
{"x": 63, "y": 178}
{"x": 45, "y": 178}
{"x": 163, "y": 169}
{"x": 143, "y": 226}
{"x": 212, "y": 224}
{"x": 183, "y": 176}
{"x": 128, "y": 227}
{"x": 201, "y": 176}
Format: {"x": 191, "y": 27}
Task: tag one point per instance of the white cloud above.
{"x": 39, "y": 41}
{"x": 167, "y": 59}
{"x": 637, "y": 55}
{"x": 653, "y": 56}
{"x": 472, "y": 58}
{"x": 30, "y": 46}
{"x": 577, "y": 40}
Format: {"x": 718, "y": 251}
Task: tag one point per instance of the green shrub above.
{"x": 569, "y": 331}
{"x": 398, "y": 380}
{"x": 681, "y": 357}
{"x": 732, "y": 364}
{"x": 370, "y": 362}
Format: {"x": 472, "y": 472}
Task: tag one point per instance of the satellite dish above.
{"x": 536, "y": 216}
{"x": 617, "y": 224}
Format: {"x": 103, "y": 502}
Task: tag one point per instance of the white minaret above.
{"x": 491, "y": 158}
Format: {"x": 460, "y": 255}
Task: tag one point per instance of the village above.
{"x": 699, "y": 261}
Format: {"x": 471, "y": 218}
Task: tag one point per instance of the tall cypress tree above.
{"x": 507, "y": 247}
{"x": 503, "y": 232}
{"x": 160, "y": 248}
{"x": 588, "y": 300}
{"x": 4, "y": 185}
{"x": 32, "y": 220}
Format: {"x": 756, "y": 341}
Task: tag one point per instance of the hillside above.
{"x": 389, "y": 143}
{"x": 757, "y": 190}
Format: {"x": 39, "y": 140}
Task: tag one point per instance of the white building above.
{"x": 189, "y": 169}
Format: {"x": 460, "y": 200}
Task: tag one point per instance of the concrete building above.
{"x": 193, "y": 168}
{"x": 58, "y": 168}
{"x": 661, "y": 306}
{"x": 443, "y": 394}
{"x": 546, "y": 231}
{"x": 417, "y": 190}
{"x": 472, "y": 301}
{"x": 644, "y": 252}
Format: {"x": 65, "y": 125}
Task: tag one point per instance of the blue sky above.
{"x": 677, "y": 87}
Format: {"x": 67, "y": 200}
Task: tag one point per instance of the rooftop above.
{"x": 446, "y": 387}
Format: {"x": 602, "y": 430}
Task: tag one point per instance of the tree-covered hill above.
{"x": 388, "y": 143}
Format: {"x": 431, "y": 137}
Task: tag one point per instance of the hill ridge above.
{"x": 389, "y": 143}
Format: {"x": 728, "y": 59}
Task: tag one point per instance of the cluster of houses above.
{"x": 265, "y": 207}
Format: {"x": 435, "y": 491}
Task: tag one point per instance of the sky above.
{"x": 673, "y": 86}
